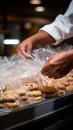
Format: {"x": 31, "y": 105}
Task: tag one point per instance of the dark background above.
{"x": 15, "y": 14}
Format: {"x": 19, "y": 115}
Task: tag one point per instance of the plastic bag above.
{"x": 24, "y": 79}
{"x": 9, "y": 98}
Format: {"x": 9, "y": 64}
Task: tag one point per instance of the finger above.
{"x": 19, "y": 55}
{"x": 29, "y": 49}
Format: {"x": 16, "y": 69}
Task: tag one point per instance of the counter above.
{"x": 45, "y": 115}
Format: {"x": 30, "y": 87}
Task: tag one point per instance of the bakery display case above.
{"x": 42, "y": 115}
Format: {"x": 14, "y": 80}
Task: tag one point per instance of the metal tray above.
{"x": 35, "y": 112}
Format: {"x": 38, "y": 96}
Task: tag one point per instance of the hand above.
{"x": 58, "y": 65}
{"x": 25, "y": 48}
{"x": 40, "y": 38}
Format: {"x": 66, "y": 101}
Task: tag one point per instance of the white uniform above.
{"x": 62, "y": 27}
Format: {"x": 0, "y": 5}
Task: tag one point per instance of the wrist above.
{"x": 42, "y": 38}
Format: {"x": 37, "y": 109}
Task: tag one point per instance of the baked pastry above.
{"x": 50, "y": 88}
{"x": 64, "y": 82}
{"x": 38, "y": 98}
{"x": 24, "y": 97}
{"x": 21, "y": 91}
{"x": 35, "y": 93}
{"x": 10, "y": 104}
{"x": 33, "y": 99}
{"x": 32, "y": 86}
{"x": 50, "y": 95}
{"x": 69, "y": 88}
{"x": 61, "y": 92}
{"x": 29, "y": 100}
{"x": 8, "y": 95}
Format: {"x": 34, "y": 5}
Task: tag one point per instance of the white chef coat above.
{"x": 62, "y": 27}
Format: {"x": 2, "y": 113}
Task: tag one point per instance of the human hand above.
{"x": 25, "y": 48}
{"x": 58, "y": 65}
{"x": 40, "y": 38}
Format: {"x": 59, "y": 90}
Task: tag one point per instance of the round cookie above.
{"x": 32, "y": 86}
{"x": 35, "y": 93}
{"x": 8, "y": 95}
{"x": 50, "y": 95}
{"x": 10, "y": 104}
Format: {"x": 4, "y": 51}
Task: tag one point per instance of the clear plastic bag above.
{"x": 18, "y": 74}
{"x": 9, "y": 98}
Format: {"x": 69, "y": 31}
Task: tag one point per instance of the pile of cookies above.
{"x": 67, "y": 82}
{"x": 51, "y": 89}
{"x": 30, "y": 90}
{"x": 30, "y": 93}
{"x": 18, "y": 95}
{"x": 57, "y": 87}
{"x": 8, "y": 98}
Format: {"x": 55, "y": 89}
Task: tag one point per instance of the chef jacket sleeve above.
{"x": 62, "y": 27}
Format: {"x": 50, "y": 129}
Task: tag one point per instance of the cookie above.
{"x": 10, "y": 104}
{"x": 35, "y": 93}
{"x": 50, "y": 95}
{"x": 24, "y": 98}
{"x": 49, "y": 88}
{"x": 61, "y": 92}
{"x": 32, "y": 86}
{"x": 38, "y": 98}
{"x": 21, "y": 91}
{"x": 69, "y": 88}
{"x": 64, "y": 82}
{"x": 8, "y": 95}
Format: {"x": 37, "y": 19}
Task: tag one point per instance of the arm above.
{"x": 40, "y": 38}
{"x": 59, "y": 30}
{"x": 62, "y": 27}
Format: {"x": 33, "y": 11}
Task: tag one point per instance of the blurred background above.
{"x": 20, "y": 19}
